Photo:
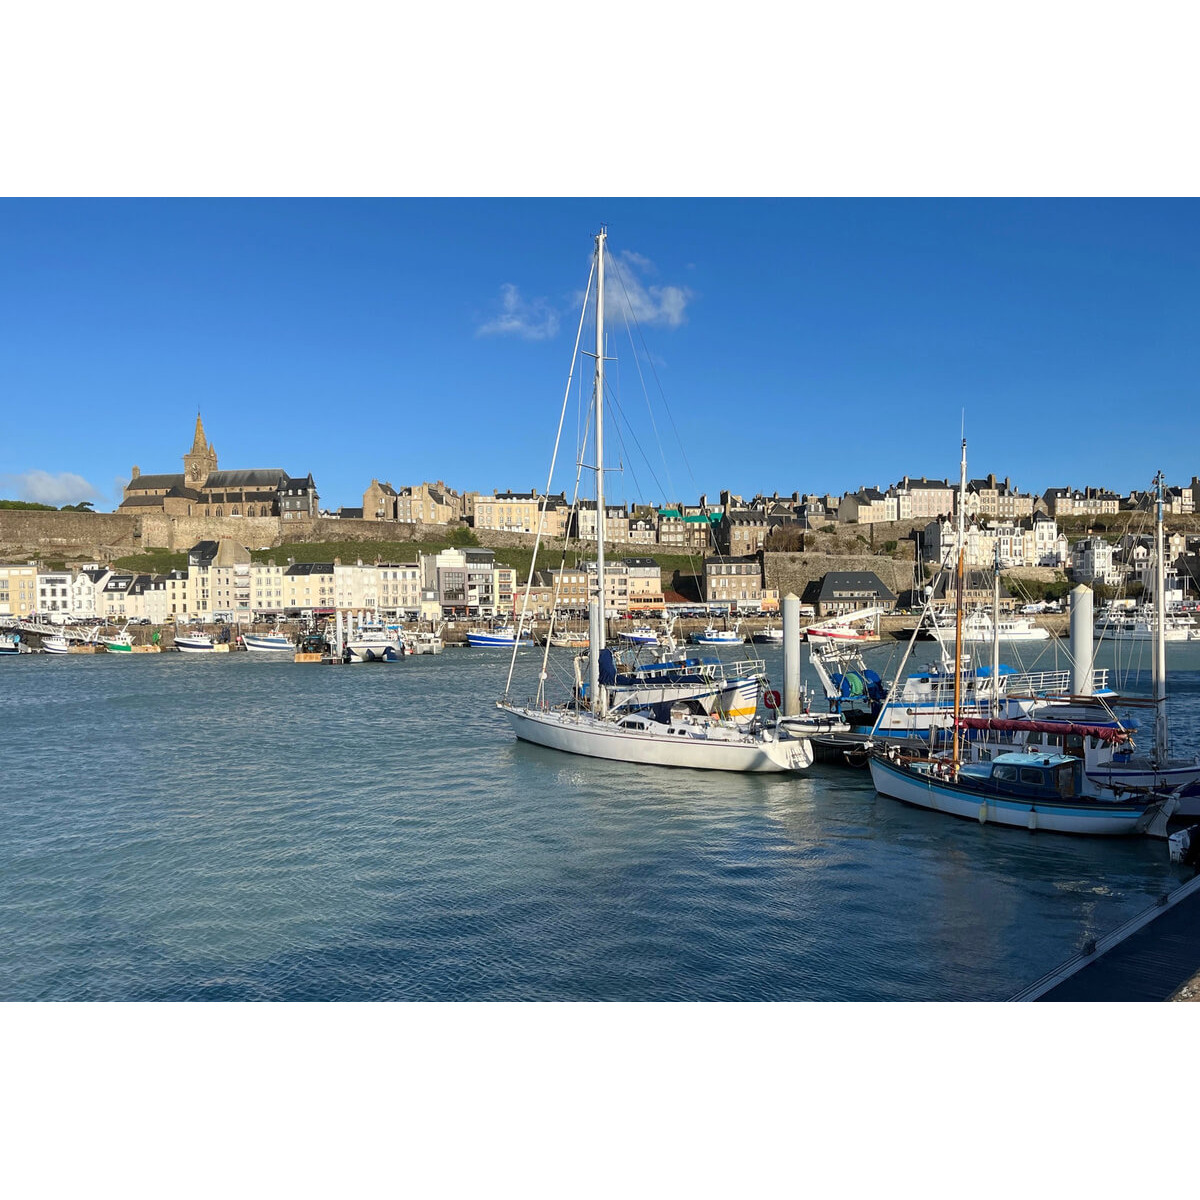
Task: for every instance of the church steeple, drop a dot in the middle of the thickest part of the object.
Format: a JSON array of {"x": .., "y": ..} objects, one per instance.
[{"x": 202, "y": 461}]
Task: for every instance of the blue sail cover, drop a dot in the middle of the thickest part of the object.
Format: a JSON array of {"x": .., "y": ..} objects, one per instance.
[{"x": 608, "y": 669}]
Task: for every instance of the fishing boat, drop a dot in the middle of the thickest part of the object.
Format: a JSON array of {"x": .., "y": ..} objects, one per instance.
[
  {"x": 117, "y": 643},
  {"x": 194, "y": 643},
  {"x": 1014, "y": 788},
  {"x": 861, "y": 626},
  {"x": 10, "y": 643},
  {"x": 639, "y": 635},
  {"x": 585, "y": 723},
  {"x": 502, "y": 637},
  {"x": 275, "y": 642},
  {"x": 770, "y": 636},
  {"x": 719, "y": 637},
  {"x": 56, "y": 645},
  {"x": 569, "y": 640},
  {"x": 424, "y": 641}
]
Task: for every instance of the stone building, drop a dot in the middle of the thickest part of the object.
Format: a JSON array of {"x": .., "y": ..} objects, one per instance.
[
  {"x": 736, "y": 581},
  {"x": 201, "y": 490},
  {"x": 842, "y": 592}
]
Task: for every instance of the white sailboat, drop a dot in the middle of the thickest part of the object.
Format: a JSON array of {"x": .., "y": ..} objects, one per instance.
[{"x": 585, "y": 723}]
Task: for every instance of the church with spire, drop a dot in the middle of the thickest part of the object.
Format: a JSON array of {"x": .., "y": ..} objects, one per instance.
[{"x": 201, "y": 490}]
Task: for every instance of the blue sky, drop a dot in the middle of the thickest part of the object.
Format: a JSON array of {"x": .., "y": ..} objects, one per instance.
[{"x": 812, "y": 345}]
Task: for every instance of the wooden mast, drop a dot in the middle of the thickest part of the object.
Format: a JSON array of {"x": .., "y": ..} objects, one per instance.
[{"x": 958, "y": 600}]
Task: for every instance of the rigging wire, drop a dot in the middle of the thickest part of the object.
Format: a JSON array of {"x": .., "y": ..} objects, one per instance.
[{"x": 549, "y": 484}]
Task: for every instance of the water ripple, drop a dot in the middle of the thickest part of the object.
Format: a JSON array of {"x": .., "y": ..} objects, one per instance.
[{"x": 178, "y": 828}]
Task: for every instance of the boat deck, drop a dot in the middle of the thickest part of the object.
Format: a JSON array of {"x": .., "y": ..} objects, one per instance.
[{"x": 1150, "y": 958}]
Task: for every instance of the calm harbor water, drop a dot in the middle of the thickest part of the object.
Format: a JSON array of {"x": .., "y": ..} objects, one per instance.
[{"x": 182, "y": 827}]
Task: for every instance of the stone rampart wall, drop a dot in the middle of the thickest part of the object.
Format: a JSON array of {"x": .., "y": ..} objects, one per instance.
[
  {"x": 182, "y": 533},
  {"x": 794, "y": 572},
  {"x": 68, "y": 537}
]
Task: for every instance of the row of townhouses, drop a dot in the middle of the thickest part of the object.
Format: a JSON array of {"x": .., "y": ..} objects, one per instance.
[
  {"x": 222, "y": 582},
  {"x": 735, "y": 526}
]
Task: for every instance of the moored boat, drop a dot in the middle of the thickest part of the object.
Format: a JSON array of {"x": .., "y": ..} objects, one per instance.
[
  {"x": 503, "y": 637},
  {"x": 424, "y": 641},
  {"x": 770, "y": 636},
  {"x": 10, "y": 643},
  {"x": 274, "y": 642},
  {"x": 117, "y": 643},
  {"x": 372, "y": 642},
  {"x": 1025, "y": 791},
  {"x": 978, "y": 627},
  {"x": 194, "y": 643},
  {"x": 712, "y": 636},
  {"x": 586, "y": 723}
]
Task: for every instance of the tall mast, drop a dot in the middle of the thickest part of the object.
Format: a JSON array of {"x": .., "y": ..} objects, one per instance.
[
  {"x": 1160, "y": 630},
  {"x": 601, "y": 239},
  {"x": 996, "y": 634},
  {"x": 958, "y": 598}
]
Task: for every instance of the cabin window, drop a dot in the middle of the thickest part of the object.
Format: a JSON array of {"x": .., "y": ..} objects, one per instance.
[
  {"x": 1004, "y": 772},
  {"x": 1032, "y": 775}
]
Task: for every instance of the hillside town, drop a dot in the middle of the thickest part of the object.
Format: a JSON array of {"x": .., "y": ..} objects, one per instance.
[{"x": 911, "y": 521}]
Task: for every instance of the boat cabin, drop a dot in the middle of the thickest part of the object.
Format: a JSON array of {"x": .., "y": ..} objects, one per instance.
[{"x": 1030, "y": 776}]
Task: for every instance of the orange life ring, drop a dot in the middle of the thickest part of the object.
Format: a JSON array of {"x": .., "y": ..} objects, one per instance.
[{"x": 771, "y": 699}]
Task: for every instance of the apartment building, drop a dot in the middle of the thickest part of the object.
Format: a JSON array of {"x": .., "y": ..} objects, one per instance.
[
  {"x": 18, "y": 589},
  {"x": 737, "y": 582}
]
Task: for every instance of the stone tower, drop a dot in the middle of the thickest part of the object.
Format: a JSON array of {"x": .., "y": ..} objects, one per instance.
[{"x": 202, "y": 461}]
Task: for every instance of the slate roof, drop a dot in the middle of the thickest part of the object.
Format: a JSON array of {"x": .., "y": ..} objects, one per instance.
[
  {"x": 310, "y": 569},
  {"x": 269, "y": 477},
  {"x": 145, "y": 483},
  {"x": 854, "y": 581},
  {"x": 141, "y": 502},
  {"x": 180, "y": 492}
]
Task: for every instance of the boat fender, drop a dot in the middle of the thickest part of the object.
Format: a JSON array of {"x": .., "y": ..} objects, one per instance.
[
  {"x": 983, "y": 813},
  {"x": 771, "y": 699},
  {"x": 1032, "y": 819}
]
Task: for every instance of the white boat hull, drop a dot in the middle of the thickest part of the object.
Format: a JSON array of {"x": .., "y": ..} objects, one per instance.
[
  {"x": 580, "y": 733},
  {"x": 420, "y": 646},
  {"x": 374, "y": 651},
  {"x": 489, "y": 641},
  {"x": 194, "y": 645},
  {"x": 924, "y": 791},
  {"x": 268, "y": 644}
]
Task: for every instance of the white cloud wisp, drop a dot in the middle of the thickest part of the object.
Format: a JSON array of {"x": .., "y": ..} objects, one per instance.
[
  {"x": 533, "y": 320},
  {"x": 40, "y": 487}
]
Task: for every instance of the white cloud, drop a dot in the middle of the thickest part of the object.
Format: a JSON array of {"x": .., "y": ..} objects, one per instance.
[
  {"x": 628, "y": 295},
  {"x": 40, "y": 487},
  {"x": 534, "y": 320}
]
